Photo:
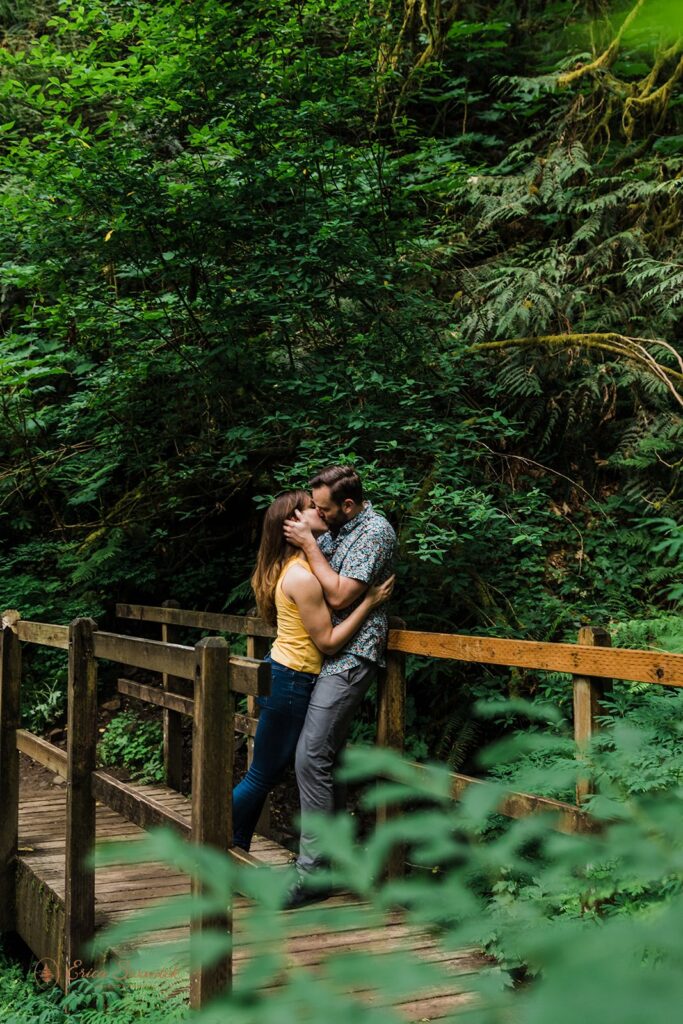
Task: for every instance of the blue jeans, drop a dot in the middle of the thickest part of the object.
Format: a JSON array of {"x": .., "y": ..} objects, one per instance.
[{"x": 281, "y": 717}]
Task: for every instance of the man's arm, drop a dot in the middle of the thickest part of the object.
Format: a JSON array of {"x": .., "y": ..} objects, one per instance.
[{"x": 340, "y": 591}]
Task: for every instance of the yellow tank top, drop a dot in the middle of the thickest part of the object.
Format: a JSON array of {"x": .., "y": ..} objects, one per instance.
[{"x": 293, "y": 646}]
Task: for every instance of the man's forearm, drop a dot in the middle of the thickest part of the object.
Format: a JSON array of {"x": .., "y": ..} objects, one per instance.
[{"x": 327, "y": 577}]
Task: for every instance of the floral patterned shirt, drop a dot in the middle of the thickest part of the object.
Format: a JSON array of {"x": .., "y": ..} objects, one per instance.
[{"x": 363, "y": 549}]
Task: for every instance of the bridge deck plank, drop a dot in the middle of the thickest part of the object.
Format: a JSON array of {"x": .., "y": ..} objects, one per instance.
[{"x": 123, "y": 889}]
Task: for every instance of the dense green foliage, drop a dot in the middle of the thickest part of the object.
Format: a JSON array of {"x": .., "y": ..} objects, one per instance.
[
  {"x": 135, "y": 744},
  {"x": 241, "y": 240}
]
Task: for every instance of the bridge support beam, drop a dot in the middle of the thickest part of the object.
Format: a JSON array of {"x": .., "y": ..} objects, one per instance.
[
  {"x": 213, "y": 742},
  {"x": 588, "y": 691},
  {"x": 79, "y": 882},
  {"x": 10, "y": 685},
  {"x": 173, "y": 733},
  {"x": 391, "y": 730}
]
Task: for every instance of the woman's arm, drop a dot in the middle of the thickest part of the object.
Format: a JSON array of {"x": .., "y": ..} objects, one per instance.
[{"x": 305, "y": 590}]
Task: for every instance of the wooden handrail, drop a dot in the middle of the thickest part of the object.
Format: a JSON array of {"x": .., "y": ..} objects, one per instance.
[
  {"x": 607, "y": 663},
  {"x": 214, "y": 676},
  {"x": 174, "y": 702},
  {"x": 247, "y": 675},
  {"x": 44, "y": 634},
  {"x": 42, "y": 751},
  {"x": 222, "y": 623},
  {"x": 601, "y": 662},
  {"x": 153, "y": 655}
]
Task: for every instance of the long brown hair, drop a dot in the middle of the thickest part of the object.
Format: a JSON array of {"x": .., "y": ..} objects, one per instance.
[{"x": 274, "y": 550}]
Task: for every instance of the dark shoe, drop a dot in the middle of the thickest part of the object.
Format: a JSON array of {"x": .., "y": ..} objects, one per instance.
[{"x": 300, "y": 895}]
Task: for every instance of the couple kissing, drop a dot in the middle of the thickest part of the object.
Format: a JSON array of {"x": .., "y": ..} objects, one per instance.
[{"x": 324, "y": 569}]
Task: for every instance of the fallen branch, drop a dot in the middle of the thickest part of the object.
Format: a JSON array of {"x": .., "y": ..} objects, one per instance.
[{"x": 633, "y": 349}]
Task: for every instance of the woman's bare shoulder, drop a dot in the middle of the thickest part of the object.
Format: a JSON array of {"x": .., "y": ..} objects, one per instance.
[{"x": 298, "y": 580}]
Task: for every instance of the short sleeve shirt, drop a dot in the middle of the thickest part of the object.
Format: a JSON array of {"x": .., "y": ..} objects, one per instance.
[{"x": 364, "y": 550}]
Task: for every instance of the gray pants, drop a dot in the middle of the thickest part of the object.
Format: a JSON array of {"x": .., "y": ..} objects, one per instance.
[{"x": 333, "y": 703}]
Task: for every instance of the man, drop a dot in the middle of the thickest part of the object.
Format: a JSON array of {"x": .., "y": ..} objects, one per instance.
[{"x": 357, "y": 551}]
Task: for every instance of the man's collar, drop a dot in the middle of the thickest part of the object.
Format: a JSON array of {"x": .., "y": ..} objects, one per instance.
[{"x": 356, "y": 521}]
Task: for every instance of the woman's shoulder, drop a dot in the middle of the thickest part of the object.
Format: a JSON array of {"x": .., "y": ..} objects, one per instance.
[
  {"x": 299, "y": 578},
  {"x": 298, "y": 570}
]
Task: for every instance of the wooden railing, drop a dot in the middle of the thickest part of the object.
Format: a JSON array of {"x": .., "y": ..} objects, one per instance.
[
  {"x": 194, "y": 684},
  {"x": 215, "y": 677},
  {"x": 592, "y": 662}
]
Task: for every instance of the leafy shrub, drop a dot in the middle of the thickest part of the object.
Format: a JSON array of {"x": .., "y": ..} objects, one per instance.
[
  {"x": 48, "y": 705},
  {"x": 87, "y": 1002},
  {"x": 135, "y": 744}
]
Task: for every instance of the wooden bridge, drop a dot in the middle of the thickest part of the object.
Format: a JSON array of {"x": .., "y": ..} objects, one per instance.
[{"x": 56, "y": 903}]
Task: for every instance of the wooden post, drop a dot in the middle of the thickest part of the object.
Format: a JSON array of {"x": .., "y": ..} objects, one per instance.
[
  {"x": 79, "y": 883},
  {"x": 257, "y": 647},
  {"x": 173, "y": 734},
  {"x": 391, "y": 730},
  {"x": 212, "y": 778},
  {"x": 587, "y": 693},
  {"x": 10, "y": 685}
]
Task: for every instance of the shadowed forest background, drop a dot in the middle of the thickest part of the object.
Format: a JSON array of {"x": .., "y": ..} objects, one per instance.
[{"x": 440, "y": 241}]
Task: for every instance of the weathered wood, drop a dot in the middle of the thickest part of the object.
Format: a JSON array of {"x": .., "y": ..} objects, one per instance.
[
  {"x": 44, "y": 633},
  {"x": 79, "y": 877},
  {"x": 183, "y": 705},
  {"x": 222, "y": 623},
  {"x": 125, "y": 889},
  {"x": 40, "y": 921},
  {"x": 247, "y": 675},
  {"x": 636, "y": 666},
  {"x": 587, "y": 693},
  {"x": 141, "y": 809},
  {"x": 172, "y": 720},
  {"x": 520, "y": 805},
  {"x": 153, "y": 655},
  {"x": 245, "y": 859},
  {"x": 42, "y": 751},
  {"x": 10, "y": 715},
  {"x": 248, "y": 726},
  {"x": 391, "y": 728},
  {"x": 391, "y": 700},
  {"x": 250, "y": 676},
  {"x": 257, "y": 647},
  {"x": 153, "y": 695},
  {"x": 212, "y": 778}
]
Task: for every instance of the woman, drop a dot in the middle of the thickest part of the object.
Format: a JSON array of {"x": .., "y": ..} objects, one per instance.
[{"x": 289, "y": 595}]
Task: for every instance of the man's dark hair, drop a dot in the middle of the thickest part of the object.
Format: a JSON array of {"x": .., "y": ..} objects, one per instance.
[{"x": 343, "y": 482}]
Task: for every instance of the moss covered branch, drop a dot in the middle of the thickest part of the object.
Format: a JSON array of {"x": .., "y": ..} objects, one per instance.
[{"x": 633, "y": 349}]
